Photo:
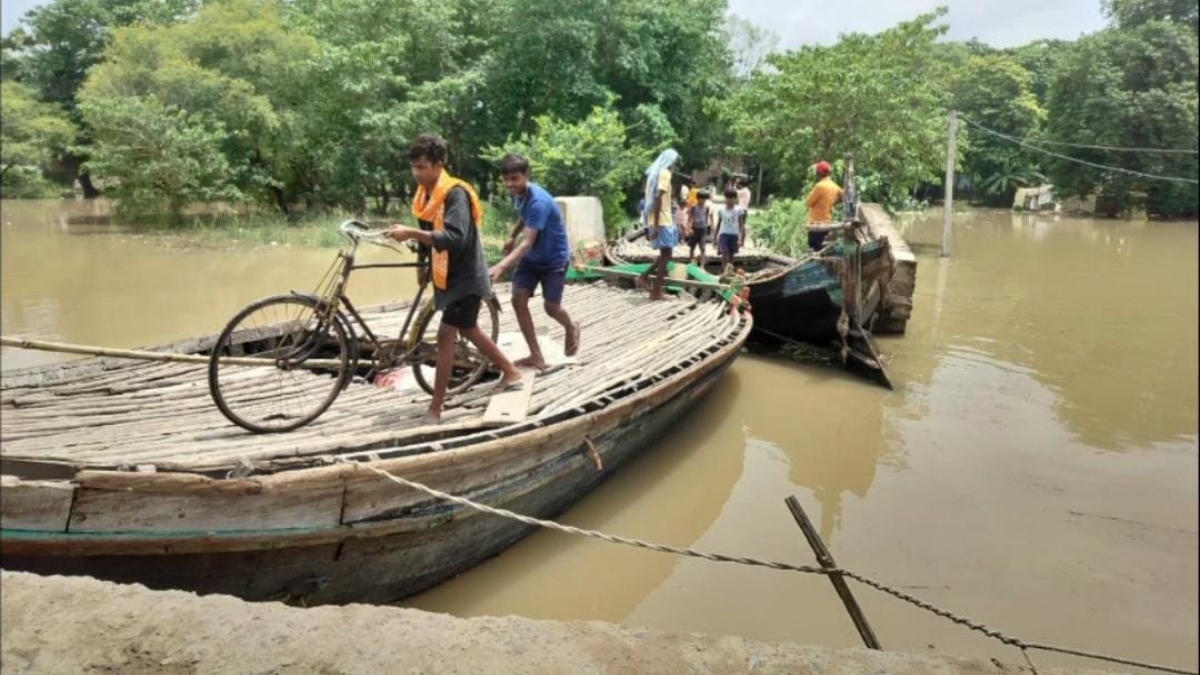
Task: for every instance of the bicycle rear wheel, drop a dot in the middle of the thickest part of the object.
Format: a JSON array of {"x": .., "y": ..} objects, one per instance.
[
  {"x": 302, "y": 362},
  {"x": 469, "y": 364}
]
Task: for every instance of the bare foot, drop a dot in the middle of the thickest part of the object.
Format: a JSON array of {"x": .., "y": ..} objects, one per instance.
[
  {"x": 657, "y": 296},
  {"x": 508, "y": 384},
  {"x": 432, "y": 418},
  {"x": 530, "y": 362},
  {"x": 571, "y": 348}
]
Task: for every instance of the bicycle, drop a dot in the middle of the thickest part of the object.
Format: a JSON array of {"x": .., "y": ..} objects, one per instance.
[{"x": 308, "y": 342}]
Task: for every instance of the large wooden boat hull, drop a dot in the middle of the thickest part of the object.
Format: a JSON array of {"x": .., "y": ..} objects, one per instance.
[
  {"x": 805, "y": 301},
  {"x": 792, "y": 299},
  {"x": 341, "y": 533}
]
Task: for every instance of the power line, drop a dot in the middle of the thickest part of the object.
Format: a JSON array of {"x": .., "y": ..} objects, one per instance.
[
  {"x": 1113, "y": 148},
  {"x": 1018, "y": 141}
]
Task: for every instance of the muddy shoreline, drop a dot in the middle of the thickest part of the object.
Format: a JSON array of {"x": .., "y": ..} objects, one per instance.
[{"x": 76, "y": 624}]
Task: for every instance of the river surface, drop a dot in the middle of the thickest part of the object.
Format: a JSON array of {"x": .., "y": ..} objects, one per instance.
[{"x": 1036, "y": 468}]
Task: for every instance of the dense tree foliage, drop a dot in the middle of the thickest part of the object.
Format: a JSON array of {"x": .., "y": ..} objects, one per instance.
[
  {"x": 32, "y": 135},
  {"x": 1132, "y": 86},
  {"x": 867, "y": 95},
  {"x": 995, "y": 90},
  {"x": 312, "y": 103},
  {"x": 591, "y": 157}
]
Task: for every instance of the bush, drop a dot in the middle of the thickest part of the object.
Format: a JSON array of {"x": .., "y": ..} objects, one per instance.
[{"x": 781, "y": 227}]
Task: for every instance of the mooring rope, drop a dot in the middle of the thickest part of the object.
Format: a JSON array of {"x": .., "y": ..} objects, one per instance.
[
  {"x": 1023, "y": 645},
  {"x": 146, "y": 355}
]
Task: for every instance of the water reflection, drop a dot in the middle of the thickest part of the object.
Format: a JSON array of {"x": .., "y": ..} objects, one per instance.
[
  {"x": 672, "y": 495},
  {"x": 1104, "y": 313}
]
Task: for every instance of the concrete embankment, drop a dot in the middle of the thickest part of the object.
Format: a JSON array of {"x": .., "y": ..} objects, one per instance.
[{"x": 76, "y": 625}]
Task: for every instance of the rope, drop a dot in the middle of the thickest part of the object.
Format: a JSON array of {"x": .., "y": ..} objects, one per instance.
[
  {"x": 754, "y": 562},
  {"x": 614, "y": 539},
  {"x": 1014, "y": 139},
  {"x": 143, "y": 355}
]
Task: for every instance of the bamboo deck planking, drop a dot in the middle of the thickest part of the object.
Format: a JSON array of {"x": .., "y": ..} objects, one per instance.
[{"x": 160, "y": 414}]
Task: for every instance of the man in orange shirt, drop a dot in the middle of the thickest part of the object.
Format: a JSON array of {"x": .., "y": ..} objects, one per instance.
[{"x": 824, "y": 195}]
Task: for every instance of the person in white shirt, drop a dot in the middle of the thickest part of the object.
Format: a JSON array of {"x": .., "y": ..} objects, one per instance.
[{"x": 731, "y": 230}]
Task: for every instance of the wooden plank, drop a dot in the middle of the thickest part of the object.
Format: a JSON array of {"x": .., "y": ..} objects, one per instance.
[
  {"x": 511, "y": 407},
  {"x": 167, "y": 502},
  {"x": 35, "y": 505}
]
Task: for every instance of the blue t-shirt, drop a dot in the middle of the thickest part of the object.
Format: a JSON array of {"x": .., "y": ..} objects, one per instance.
[{"x": 538, "y": 211}]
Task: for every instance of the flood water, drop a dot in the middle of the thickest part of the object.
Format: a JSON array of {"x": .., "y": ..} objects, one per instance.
[{"x": 1036, "y": 468}]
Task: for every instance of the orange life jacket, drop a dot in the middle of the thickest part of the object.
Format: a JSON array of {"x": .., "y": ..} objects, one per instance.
[{"x": 431, "y": 208}]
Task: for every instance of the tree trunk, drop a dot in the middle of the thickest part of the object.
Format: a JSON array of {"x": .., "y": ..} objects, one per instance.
[
  {"x": 89, "y": 190},
  {"x": 72, "y": 167},
  {"x": 280, "y": 199},
  {"x": 383, "y": 198},
  {"x": 758, "y": 198}
]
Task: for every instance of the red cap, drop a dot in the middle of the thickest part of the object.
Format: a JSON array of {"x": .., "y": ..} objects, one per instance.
[{"x": 823, "y": 167}]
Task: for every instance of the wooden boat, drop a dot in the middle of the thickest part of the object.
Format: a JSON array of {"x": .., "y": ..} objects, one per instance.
[
  {"x": 802, "y": 299},
  {"x": 126, "y": 471}
]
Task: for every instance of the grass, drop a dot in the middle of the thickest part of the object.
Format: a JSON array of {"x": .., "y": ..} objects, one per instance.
[
  {"x": 240, "y": 231},
  {"x": 782, "y": 227}
]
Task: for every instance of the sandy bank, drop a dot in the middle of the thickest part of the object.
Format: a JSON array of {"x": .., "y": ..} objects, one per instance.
[{"x": 60, "y": 624}]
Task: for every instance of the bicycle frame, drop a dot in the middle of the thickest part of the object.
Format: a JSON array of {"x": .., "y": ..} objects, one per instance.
[{"x": 333, "y": 291}]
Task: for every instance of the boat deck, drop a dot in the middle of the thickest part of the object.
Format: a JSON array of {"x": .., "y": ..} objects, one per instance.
[
  {"x": 640, "y": 251},
  {"x": 152, "y": 416}
]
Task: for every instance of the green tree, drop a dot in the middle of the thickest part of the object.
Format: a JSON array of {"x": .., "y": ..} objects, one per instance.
[
  {"x": 385, "y": 71},
  {"x": 235, "y": 65},
  {"x": 1040, "y": 58},
  {"x": 158, "y": 154},
  {"x": 995, "y": 91},
  {"x": 1130, "y": 85},
  {"x": 32, "y": 135},
  {"x": 878, "y": 97},
  {"x": 65, "y": 39},
  {"x": 1133, "y": 13},
  {"x": 551, "y": 57},
  {"x": 590, "y": 157}
]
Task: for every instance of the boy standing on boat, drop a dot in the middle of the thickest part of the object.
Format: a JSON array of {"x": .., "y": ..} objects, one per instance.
[
  {"x": 731, "y": 230},
  {"x": 821, "y": 199},
  {"x": 661, "y": 231},
  {"x": 541, "y": 258},
  {"x": 450, "y": 214},
  {"x": 699, "y": 233},
  {"x": 823, "y": 196}
]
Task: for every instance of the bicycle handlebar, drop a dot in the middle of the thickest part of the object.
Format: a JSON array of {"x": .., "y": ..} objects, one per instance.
[{"x": 356, "y": 231}]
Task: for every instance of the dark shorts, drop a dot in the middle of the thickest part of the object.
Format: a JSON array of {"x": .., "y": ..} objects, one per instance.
[
  {"x": 463, "y": 313},
  {"x": 727, "y": 243},
  {"x": 698, "y": 237},
  {"x": 552, "y": 278}
]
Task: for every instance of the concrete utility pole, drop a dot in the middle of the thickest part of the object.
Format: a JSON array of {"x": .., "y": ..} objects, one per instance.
[{"x": 949, "y": 200}]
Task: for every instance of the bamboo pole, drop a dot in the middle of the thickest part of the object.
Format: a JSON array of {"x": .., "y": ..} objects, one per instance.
[{"x": 825, "y": 560}]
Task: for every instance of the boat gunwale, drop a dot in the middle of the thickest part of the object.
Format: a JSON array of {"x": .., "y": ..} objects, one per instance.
[{"x": 342, "y": 475}]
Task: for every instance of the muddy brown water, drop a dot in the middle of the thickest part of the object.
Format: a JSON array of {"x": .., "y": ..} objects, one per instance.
[{"x": 1036, "y": 468}]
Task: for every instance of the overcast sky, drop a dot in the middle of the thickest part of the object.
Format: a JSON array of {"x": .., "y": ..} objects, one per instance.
[{"x": 1003, "y": 23}]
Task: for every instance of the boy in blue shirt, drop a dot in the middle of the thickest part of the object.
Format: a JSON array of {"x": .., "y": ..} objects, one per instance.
[{"x": 541, "y": 258}]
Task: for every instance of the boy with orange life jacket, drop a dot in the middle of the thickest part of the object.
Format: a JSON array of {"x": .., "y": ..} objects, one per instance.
[{"x": 450, "y": 215}]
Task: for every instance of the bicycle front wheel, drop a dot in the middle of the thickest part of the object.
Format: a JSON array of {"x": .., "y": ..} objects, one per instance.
[
  {"x": 279, "y": 364},
  {"x": 469, "y": 364}
]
